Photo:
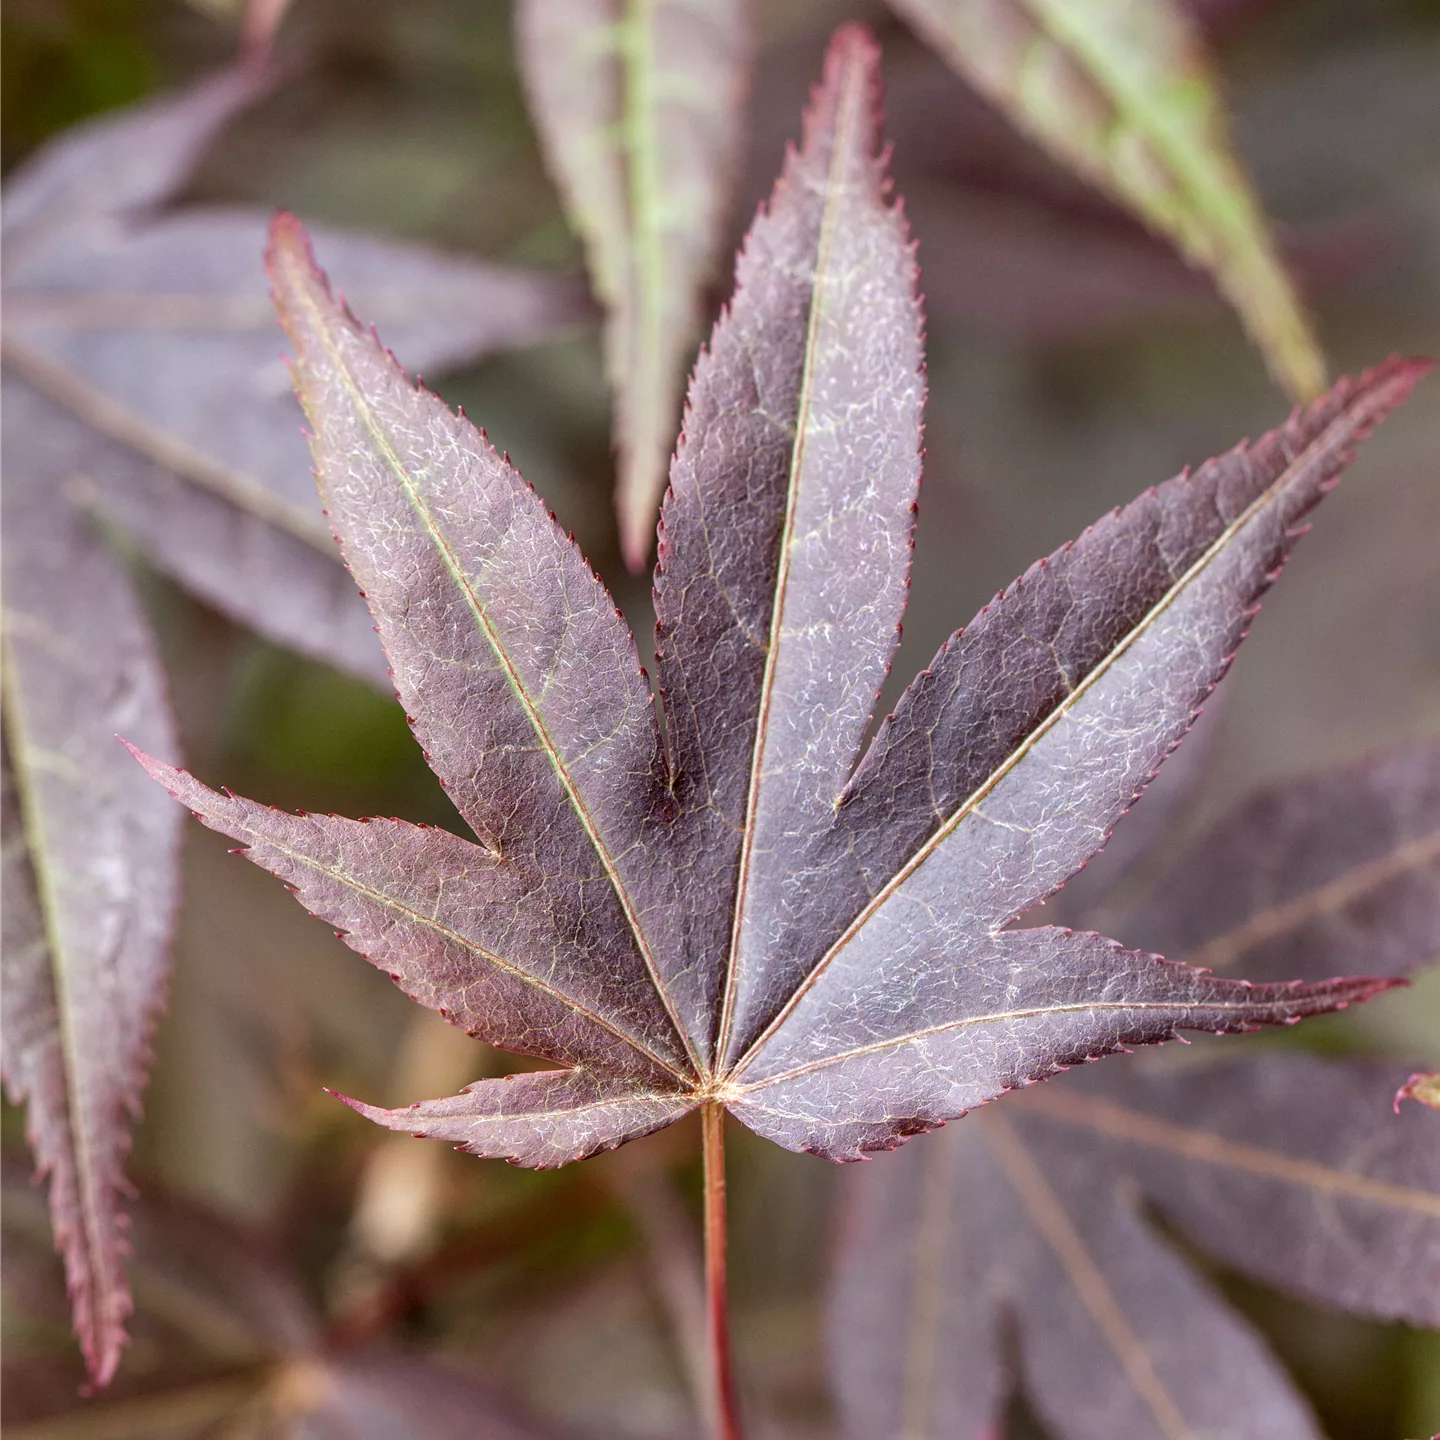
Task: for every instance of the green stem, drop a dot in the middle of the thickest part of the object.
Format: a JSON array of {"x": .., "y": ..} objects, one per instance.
[{"x": 725, "y": 1412}]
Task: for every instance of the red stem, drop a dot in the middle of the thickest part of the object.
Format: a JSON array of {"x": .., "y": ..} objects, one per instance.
[{"x": 725, "y": 1412}]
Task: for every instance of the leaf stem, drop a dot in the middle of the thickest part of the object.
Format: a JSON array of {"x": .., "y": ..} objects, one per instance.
[{"x": 725, "y": 1411}]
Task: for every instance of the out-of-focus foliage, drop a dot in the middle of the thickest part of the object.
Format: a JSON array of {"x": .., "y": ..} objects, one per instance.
[
  {"x": 149, "y": 330},
  {"x": 640, "y": 108},
  {"x": 67, "y": 61},
  {"x": 1058, "y": 389},
  {"x": 239, "y": 1343},
  {"x": 140, "y": 389},
  {"x": 1123, "y": 93},
  {"x": 1284, "y": 1167},
  {"x": 91, "y": 873}
]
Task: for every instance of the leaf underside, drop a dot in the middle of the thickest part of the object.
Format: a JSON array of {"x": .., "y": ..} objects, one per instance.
[
  {"x": 640, "y": 109},
  {"x": 741, "y": 912},
  {"x": 1123, "y": 94}
]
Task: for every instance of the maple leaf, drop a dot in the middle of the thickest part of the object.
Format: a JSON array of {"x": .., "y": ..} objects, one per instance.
[
  {"x": 640, "y": 109},
  {"x": 1295, "y": 878},
  {"x": 141, "y": 382},
  {"x": 148, "y": 326},
  {"x": 1123, "y": 95},
  {"x": 1017, "y": 245},
  {"x": 1288, "y": 1168},
  {"x": 739, "y": 914}
]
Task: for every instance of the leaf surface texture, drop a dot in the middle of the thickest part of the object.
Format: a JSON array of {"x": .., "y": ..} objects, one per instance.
[{"x": 756, "y": 909}]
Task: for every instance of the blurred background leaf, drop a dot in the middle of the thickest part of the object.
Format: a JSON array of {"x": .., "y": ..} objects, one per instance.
[
  {"x": 1124, "y": 95},
  {"x": 641, "y": 110}
]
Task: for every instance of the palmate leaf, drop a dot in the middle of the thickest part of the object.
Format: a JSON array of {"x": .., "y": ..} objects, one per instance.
[
  {"x": 1123, "y": 94},
  {"x": 640, "y": 107},
  {"x": 1288, "y": 1168},
  {"x": 151, "y": 328},
  {"x": 90, "y": 861},
  {"x": 733, "y": 916},
  {"x": 1296, "y": 879},
  {"x": 1291, "y": 1168}
]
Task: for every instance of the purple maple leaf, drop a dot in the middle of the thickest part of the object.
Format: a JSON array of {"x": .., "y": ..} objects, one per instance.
[{"x": 753, "y": 909}]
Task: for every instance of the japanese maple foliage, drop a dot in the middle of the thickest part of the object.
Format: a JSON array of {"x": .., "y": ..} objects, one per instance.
[
  {"x": 275, "y": 1370},
  {"x": 141, "y": 384},
  {"x": 641, "y": 113},
  {"x": 1034, "y": 1223},
  {"x": 145, "y": 327},
  {"x": 738, "y": 912}
]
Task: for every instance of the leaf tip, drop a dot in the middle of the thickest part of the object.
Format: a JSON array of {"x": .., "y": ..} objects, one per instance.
[
  {"x": 158, "y": 770},
  {"x": 852, "y": 44},
  {"x": 359, "y": 1106},
  {"x": 287, "y": 239},
  {"x": 1423, "y": 1086},
  {"x": 293, "y": 270},
  {"x": 100, "y": 1299}
]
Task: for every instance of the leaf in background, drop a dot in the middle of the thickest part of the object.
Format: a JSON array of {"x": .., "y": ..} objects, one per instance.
[
  {"x": 1351, "y": 1209},
  {"x": 1289, "y": 1168},
  {"x": 1304, "y": 871},
  {"x": 1024, "y": 269},
  {"x": 216, "y": 1303},
  {"x": 90, "y": 860},
  {"x": 1122, "y": 92},
  {"x": 144, "y": 383},
  {"x": 154, "y": 330},
  {"x": 1017, "y": 246},
  {"x": 740, "y": 918},
  {"x": 1423, "y": 1086},
  {"x": 640, "y": 109},
  {"x": 121, "y": 164}
]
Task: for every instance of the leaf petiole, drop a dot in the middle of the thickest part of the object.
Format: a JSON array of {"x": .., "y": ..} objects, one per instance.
[{"x": 724, "y": 1408}]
